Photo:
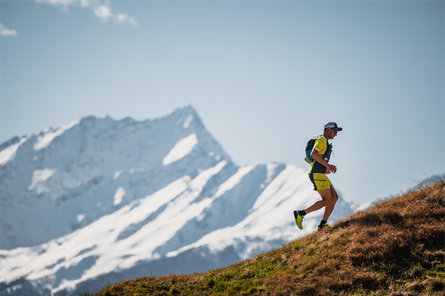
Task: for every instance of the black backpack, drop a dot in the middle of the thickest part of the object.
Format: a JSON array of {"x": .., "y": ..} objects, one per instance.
[{"x": 309, "y": 147}]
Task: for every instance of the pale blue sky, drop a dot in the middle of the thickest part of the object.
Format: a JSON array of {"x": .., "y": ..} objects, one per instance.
[{"x": 263, "y": 75}]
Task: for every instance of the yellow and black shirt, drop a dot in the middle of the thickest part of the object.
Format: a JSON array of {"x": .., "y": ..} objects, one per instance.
[{"x": 324, "y": 149}]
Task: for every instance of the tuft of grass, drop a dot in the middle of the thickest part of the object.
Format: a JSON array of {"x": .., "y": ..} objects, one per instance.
[{"x": 393, "y": 248}]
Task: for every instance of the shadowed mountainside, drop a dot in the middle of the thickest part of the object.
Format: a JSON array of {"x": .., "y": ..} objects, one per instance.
[{"x": 394, "y": 248}]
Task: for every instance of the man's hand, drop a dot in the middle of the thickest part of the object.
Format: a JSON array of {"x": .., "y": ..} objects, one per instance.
[{"x": 331, "y": 168}]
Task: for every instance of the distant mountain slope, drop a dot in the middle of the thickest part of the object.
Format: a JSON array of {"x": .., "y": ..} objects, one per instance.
[
  {"x": 101, "y": 200},
  {"x": 394, "y": 248},
  {"x": 61, "y": 179}
]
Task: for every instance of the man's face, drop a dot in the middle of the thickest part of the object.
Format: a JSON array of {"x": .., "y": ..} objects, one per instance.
[{"x": 332, "y": 132}]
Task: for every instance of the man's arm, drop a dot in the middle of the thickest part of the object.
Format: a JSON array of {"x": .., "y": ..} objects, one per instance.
[{"x": 317, "y": 157}]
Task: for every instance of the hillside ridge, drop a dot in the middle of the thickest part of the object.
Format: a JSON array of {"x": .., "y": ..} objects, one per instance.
[{"x": 395, "y": 247}]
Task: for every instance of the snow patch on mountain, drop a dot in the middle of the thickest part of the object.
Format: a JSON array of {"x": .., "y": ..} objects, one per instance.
[
  {"x": 188, "y": 121},
  {"x": 80, "y": 218},
  {"x": 8, "y": 153},
  {"x": 49, "y": 135},
  {"x": 38, "y": 180},
  {"x": 181, "y": 149},
  {"x": 120, "y": 193},
  {"x": 233, "y": 180}
]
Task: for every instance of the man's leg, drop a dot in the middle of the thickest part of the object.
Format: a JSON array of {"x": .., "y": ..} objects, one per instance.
[
  {"x": 326, "y": 200},
  {"x": 324, "y": 188},
  {"x": 334, "y": 194},
  {"x": 330, "y": 207}
]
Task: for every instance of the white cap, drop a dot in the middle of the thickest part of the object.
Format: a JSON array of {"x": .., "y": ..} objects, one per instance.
[{"x": 332, "y": 125}]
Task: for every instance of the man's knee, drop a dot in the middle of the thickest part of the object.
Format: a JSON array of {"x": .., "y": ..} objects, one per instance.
[
  {"x": 334, "y": 195},
  {"x": 329, "y": 201}
]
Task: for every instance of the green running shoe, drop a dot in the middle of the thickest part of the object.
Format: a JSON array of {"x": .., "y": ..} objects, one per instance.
[
  {"x": 298, "y": 219},
  {"x": 324, "y": 226}
]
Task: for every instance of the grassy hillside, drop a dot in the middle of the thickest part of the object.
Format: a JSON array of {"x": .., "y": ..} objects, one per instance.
[{"x": 394, "y": 248}]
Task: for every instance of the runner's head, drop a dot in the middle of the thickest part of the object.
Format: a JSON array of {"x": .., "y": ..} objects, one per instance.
[{"x": 331, "y": 129}]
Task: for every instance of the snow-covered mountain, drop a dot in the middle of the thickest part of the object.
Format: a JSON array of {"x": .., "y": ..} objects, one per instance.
[{"x": 102, "y": 200}]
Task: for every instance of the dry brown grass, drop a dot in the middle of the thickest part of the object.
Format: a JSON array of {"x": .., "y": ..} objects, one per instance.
[{"x": 393, "y": 248}]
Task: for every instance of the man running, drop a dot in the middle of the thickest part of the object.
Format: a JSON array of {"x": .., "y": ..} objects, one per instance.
[{"x": 321, "y": 153}]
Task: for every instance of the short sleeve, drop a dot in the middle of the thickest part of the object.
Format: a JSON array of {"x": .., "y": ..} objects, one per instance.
[{"x": 320, "y": 145}]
